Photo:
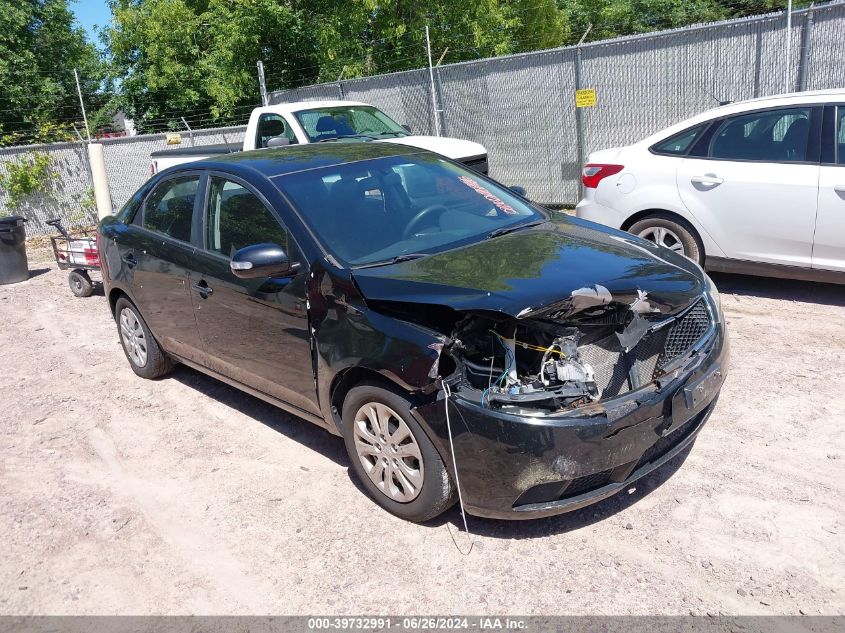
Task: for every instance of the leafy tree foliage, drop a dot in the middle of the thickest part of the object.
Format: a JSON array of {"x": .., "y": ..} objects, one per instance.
[
  {"x": 196, "y": 58},
  {"x": 175, "y": 57},
  {"x": 362, "y": 37},
  {"x": 40, "y": 45},
  {"x": 612, "y": 18}
]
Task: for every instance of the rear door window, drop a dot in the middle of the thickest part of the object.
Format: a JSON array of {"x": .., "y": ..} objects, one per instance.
[
  {"x": 773, "y": 136},
  {"x": 840, "y": 135},
  {"x": 170, "y": 208}
]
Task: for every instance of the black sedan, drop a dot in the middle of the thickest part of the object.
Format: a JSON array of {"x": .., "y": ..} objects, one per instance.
[{"x": 374, "y": 288}]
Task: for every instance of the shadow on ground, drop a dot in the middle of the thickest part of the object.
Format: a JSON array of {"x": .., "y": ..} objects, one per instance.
[
  {"x": 291, "y": 426},
  {"x": 37, "y": 272},
  {"x": 317, "y": 439},
  {"x": 783, "y": 289}
]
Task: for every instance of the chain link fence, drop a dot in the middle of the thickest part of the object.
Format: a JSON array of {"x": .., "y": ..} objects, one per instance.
[
  {"x": 68, "y": 191},
  {"x": 520, "y": 107}
]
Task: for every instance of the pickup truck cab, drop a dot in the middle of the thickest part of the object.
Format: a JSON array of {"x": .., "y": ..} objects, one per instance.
[{"x": 324, "y": 121}]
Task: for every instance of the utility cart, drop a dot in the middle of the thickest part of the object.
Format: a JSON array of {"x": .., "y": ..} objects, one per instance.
[{"x": 77, "y": 253}]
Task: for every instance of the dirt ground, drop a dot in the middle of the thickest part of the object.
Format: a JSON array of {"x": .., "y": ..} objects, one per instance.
[{"x": 124, "y": 496}]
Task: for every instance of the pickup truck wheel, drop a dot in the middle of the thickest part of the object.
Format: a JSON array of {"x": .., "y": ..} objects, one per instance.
[
  {"x": 392, "y": 456},
  {"x": 670, "y": 232},
  {"x": 142, "y": 350}
]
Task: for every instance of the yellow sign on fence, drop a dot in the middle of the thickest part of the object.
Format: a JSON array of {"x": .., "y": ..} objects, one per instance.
[
  {"x": 585, "y": 98},
  {"x": 173, "y": 138}
]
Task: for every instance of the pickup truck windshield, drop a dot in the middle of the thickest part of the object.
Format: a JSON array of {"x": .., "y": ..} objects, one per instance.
[
  {"x": 378, "y": 211},
  {"x": 323, "y": 124}
]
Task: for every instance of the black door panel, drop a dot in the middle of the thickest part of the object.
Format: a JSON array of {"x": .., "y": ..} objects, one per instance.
[
  {"x": 254, "y": 331},
  {"x": 156, "y": 255},
  {"x": 160, "y": 286}
]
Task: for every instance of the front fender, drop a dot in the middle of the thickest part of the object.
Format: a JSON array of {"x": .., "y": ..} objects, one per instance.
[{"x": 405, "y": 354}]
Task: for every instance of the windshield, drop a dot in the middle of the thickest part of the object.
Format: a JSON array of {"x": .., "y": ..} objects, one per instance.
[
  {"x": 324, "y": 124},
  {"x": 373, "y": 211}
]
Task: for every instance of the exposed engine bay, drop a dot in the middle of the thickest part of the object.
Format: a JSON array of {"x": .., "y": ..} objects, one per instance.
[
  {"x": 526, "y": 366},
  {"x": 543, "y": 363}
]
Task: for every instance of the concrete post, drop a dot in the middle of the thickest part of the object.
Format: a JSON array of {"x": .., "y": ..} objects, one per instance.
[{"x": 102, "y": 194}]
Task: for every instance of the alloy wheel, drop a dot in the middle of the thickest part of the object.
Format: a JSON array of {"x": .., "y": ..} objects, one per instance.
[
  {"x": 663, "y": 237},
  {"x": 388, "y": 451},
  {"x": 132, "y": 335}
]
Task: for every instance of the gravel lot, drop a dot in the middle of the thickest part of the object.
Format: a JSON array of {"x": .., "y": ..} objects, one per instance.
[{"x": 123, "y": 496}]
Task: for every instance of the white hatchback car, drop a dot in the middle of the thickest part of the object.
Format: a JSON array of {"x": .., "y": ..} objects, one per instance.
[{"x": 756, "y": 187}]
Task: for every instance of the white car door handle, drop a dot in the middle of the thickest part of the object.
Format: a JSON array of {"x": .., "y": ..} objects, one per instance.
[
  {"x": 839, "y": 188},
  {"x": 710, "y": 181}
]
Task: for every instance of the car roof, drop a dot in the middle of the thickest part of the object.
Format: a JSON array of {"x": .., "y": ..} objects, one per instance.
[
  {"x": 279, "y": 161},
  {"x": 299, "y": 106},
  {"x": 831, "y": 95}
]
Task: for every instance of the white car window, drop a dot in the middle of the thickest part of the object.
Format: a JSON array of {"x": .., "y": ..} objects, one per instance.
[
  {"x": 778, "y": 135},
  {"x": 679, "y": 143}
]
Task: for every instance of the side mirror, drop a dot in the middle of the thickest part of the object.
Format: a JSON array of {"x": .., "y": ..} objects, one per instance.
[
  {"x": 278, "y": 141},
  {"x": 407, "y": 128},
  {"x": 260, "y": 260},
  {"x": 520, "y": 191}
]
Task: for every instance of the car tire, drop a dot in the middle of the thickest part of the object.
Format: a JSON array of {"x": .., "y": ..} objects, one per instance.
[
  {"x": 80, "y": 283},
  {"x": 143, "y": 352},
  {"x": 416, "y": 498},
  {"x": 674, "y": 230}
]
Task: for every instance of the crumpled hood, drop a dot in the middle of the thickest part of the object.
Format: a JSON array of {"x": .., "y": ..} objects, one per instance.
[
  {"x": 454, "y": 148},
  {"x": 559, "y": 268}
]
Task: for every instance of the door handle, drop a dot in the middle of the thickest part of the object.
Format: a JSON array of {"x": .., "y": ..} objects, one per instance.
[
  {"x": 129, "y": 260},
  {"x": 710, "y": 181},
  {"x": 839, "y": 188},
  {"x": 203, "y": 288}
]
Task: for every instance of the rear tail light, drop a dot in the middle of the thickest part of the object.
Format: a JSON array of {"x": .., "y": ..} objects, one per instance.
[
  {"x": 593, "y": 173},
  {"x": 92, "y": 258}
]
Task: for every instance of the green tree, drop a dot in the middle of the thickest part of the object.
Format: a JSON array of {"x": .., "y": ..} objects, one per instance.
[
  {"x": 183, "y": 57},
  {"x": 40, "y": 45},
  {"x": 613, "y": 18},
  {"x": 363, "y": 37}
]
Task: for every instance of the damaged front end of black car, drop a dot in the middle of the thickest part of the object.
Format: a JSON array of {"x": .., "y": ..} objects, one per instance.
[{"x": 577, "y": 361}]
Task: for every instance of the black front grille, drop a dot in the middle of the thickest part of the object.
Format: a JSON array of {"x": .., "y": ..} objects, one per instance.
[
  {"x": 587, "y": 484},
  {"x": 608, "y": 362},
  {"x": 614, "y": 368},
  {"x": 685, "y": 332},
  {"x": 668, "y": 442}
]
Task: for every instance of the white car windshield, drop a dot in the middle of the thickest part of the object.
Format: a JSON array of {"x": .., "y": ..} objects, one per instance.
[
  {"x": 326, "y": 124},
  {"x": 383, "y": 210}
]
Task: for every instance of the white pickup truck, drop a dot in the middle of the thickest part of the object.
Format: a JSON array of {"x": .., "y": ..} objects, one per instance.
[{"x": 324, "y": 121}]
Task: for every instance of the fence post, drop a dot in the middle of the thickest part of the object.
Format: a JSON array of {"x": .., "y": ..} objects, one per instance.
[
  {"x": 579, "y": 120},
  {"x": 102, "y": 195},
  {"x": 438, "y": 88},
  {"x": 804, "y": 51},
  {"x": 758, "y": 60},
  {"x": 262, "y": 85}
]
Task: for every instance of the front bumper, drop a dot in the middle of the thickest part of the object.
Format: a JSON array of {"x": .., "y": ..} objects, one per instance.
[{"x": 515, "y": 466}]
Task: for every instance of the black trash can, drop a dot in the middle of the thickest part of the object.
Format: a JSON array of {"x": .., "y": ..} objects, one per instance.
[{"x": 13, "y": 264}]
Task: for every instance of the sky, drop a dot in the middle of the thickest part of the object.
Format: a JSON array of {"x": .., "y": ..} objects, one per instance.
[{"x": 90, "y": 13}]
